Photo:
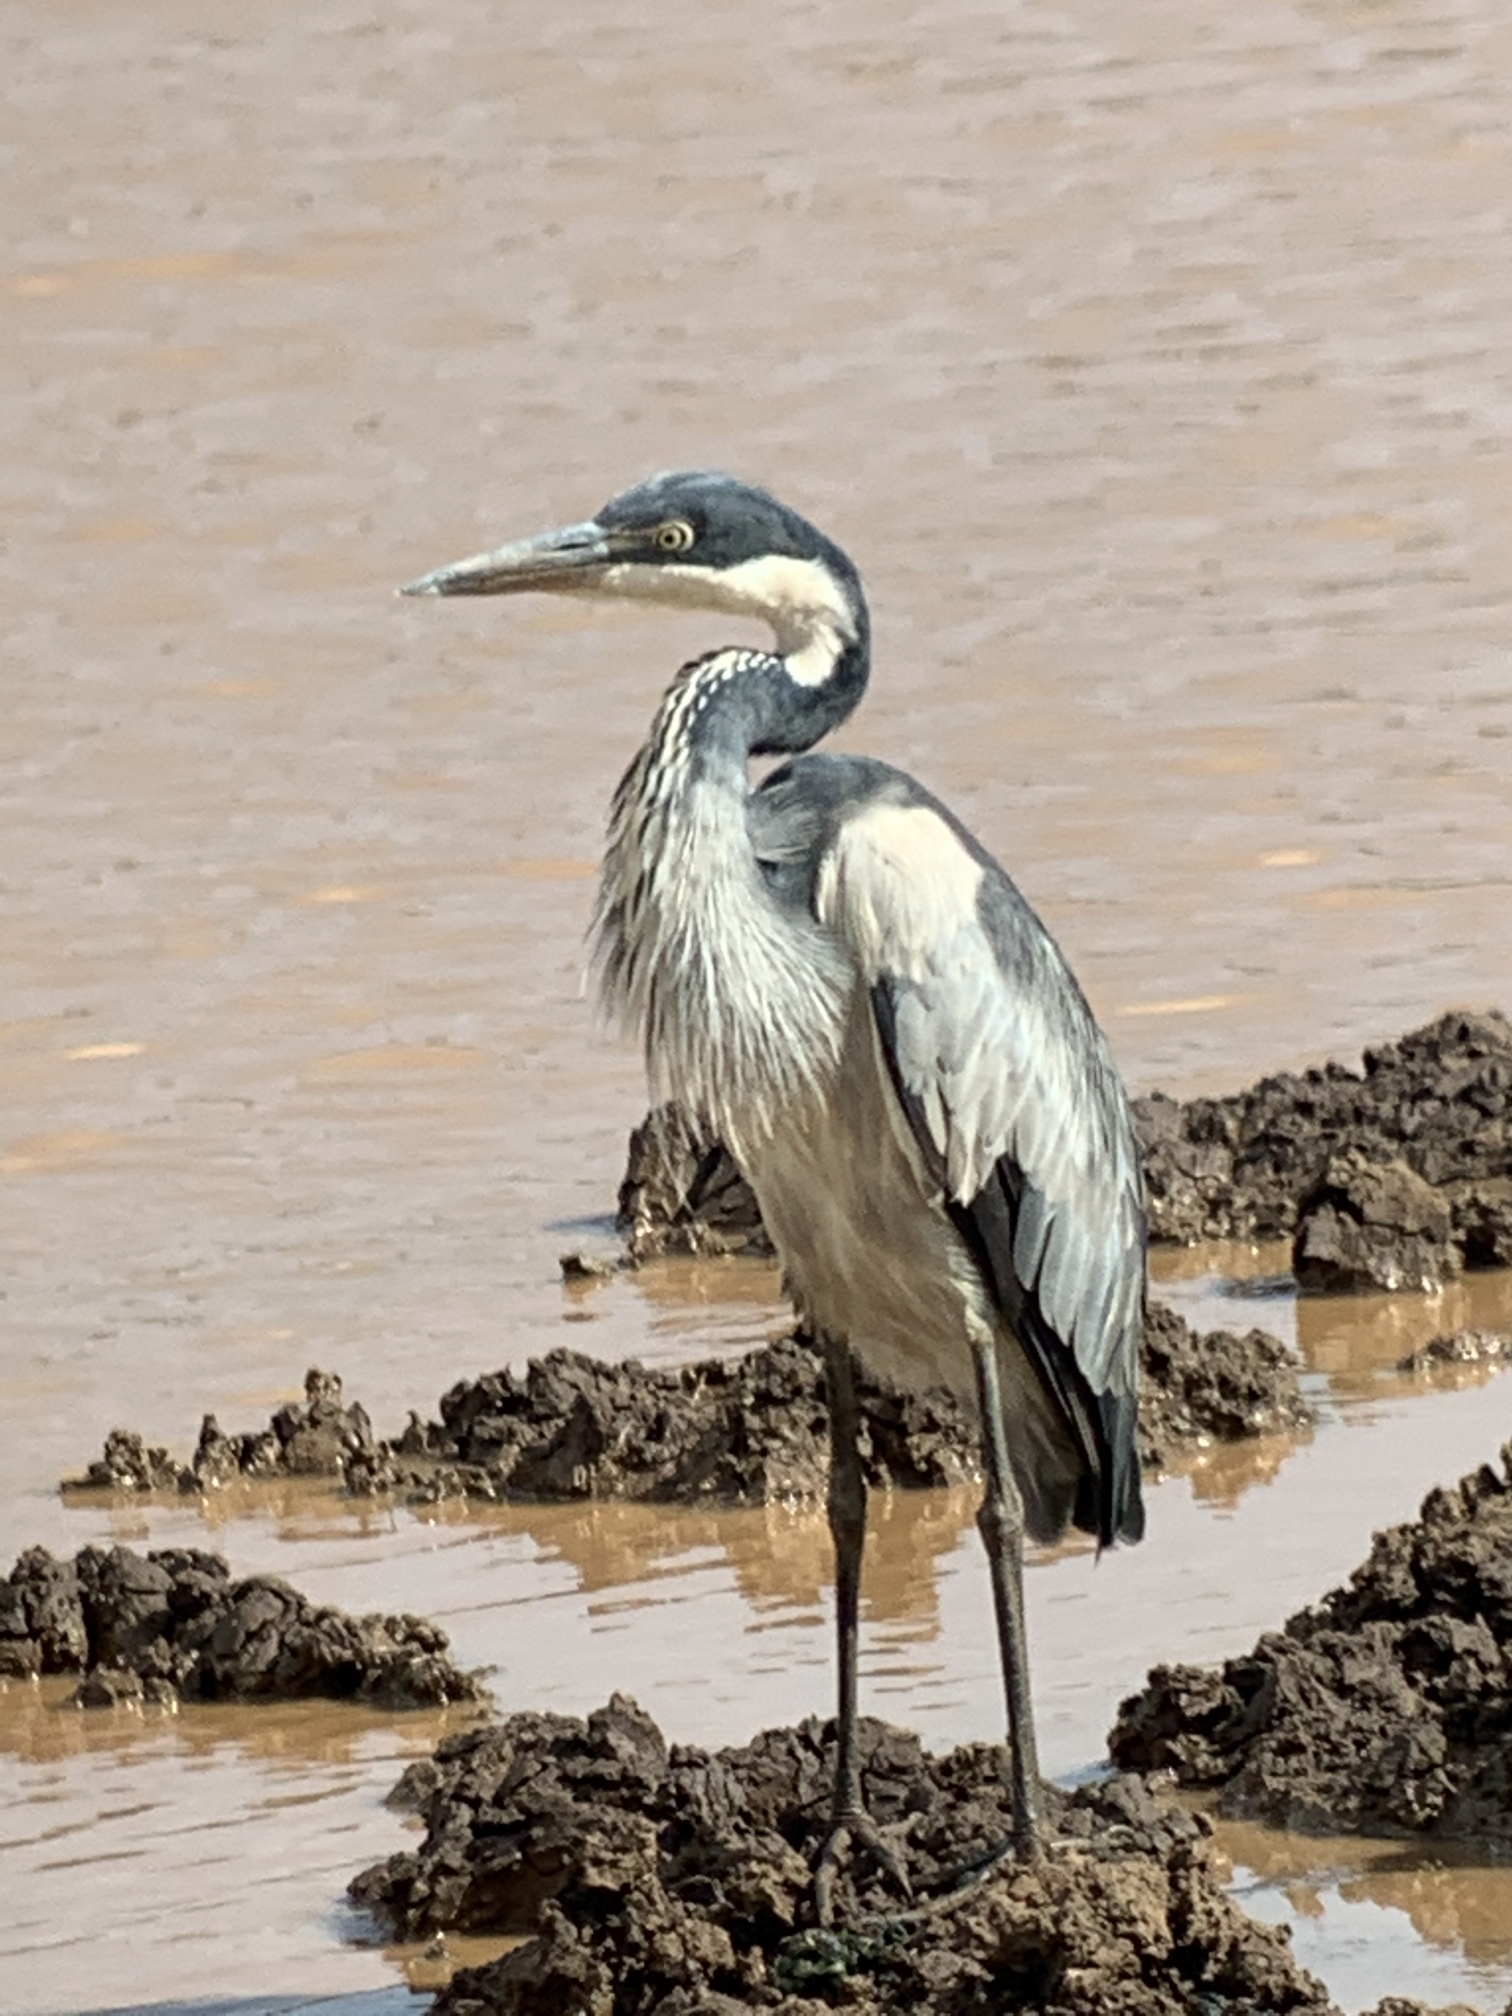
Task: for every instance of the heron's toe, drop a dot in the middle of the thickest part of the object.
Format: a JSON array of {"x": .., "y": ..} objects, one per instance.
[{"x": 853, "y": 1835}]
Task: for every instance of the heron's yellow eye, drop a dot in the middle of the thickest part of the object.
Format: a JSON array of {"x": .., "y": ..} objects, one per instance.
[{"x": 674, "y": 537}]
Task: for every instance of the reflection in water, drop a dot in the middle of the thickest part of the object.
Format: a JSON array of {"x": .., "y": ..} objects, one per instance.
[
  {"x": 430, "y": 1966},
  {"x": 1349, "y": 1341},
  {"x": 1355, "y": 1900},
  {"x": 1353, "y": 1337},
  {"x": 1220, "y": 1475},
  {"x": 775, "y": 1555},
  {"x": 38, "y": 1727}
]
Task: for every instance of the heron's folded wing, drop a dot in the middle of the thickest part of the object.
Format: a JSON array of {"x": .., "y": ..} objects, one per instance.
[{"x": 1014, "y": 1100}]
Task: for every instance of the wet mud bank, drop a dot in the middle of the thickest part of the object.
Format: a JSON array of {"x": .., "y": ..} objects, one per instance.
[
  {"x": 1386, "y": 1708},
  {"x": 1398, "y": 1175},
  {"x": 750, "y": 1431},
  {"x": 657, "y": 1878},
  {"x": 174, "y": 1626}
]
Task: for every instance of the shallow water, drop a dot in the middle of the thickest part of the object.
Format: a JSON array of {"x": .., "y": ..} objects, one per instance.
[{"x": 1151, "y": 364}]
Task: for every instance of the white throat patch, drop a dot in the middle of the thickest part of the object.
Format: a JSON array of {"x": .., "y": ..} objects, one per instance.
[{"x": 800, "y": 599}]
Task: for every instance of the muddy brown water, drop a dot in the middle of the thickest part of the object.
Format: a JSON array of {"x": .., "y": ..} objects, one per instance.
[{"x": 1151, "y": 363}]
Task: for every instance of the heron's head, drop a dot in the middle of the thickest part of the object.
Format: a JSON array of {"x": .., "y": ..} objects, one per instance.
[{"x": 693, "y": 540}]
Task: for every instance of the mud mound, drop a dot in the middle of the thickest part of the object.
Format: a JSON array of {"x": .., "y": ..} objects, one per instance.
[
  {"x": 1211, "y": 1386},
  {"x": 671, "y": 1880},
  {"x": 1461, "y": 1347},
  {"x": 1384, "y": 1709},
  {"x": 315, "y": 1440},
  {"x": 1438, "y": 1104},
  {"x": 664, "y": 1881},
  {"x": 748, "y": 1431},
  {"x": 172, "y": 1625},
  {"x": 683, "y": 1194},
  {"x": 1292, "y": 1155}
]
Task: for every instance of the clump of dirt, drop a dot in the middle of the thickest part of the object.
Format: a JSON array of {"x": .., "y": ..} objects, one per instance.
[
  {"x": 683, "y": 1194},
  {"x": 172, "y": 1625},
  {"x": 1373, "y": 1225},
  {"x": 749, "y": 1431},
  {"x": 1212, "y": 1386},
  {"x": 1399, "y": 1175},
  {"x": 1438, "y": 1102},
  {"x": 318, "y": 1439},
  {"x": 666, "y": 1881},
  {"x": 1384, "y": 1709},
  {"x": 1460, "y": 1347}
]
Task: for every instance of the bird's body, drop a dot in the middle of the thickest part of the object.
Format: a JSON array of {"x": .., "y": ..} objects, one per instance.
[
  {"x": 871, "y": 897},
  {"x": 839, "y": 981}
]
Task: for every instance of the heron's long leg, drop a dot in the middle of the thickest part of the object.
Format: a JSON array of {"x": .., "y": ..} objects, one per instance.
[
  {"x": 1001, "y": 1524},
  {"x": 847, "y": 1521},
  {"x": 851, "y": 1826}
]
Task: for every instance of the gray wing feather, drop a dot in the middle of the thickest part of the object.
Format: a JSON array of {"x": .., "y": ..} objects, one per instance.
[
  {"x": 1005, "y": 1064},
  {"x": 1003, "y": 1075},
  {"x": 1015, "y": 1103}
]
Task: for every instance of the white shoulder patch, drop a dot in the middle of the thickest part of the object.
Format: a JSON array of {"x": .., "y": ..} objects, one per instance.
[{"x": 897, "y": 886}]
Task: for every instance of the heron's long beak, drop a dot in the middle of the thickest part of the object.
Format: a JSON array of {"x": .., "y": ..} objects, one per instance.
[{"x": 555, "y": 561}]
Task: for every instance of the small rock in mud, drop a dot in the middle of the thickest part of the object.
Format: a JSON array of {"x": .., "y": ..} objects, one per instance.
[
  {"x": 1438, "y": 1102},
  {"x": 172, "y": 1624},
  {"x": 1460, "y": 1347},
  {"x": 1384, "y": 1709},
  {"x": 747, "y": 1431},
  {"x": 655, "y": 1878}
]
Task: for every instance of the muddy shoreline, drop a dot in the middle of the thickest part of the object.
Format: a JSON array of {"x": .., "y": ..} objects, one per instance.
[
  {"x": 646, "y": 1877},
  {"x": 174, "y": 1625}
]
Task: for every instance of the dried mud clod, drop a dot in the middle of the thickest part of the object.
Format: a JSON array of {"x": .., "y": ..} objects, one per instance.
[
  {"x": 670, "y": 1880},
  {"x": 655, "y": 1880},
  {"x": 1433, "y": 1111},
  {"x": 1373, "y": 1225},
  {"x": 748, "y": 1431},
  {"x": 172, "y": 1625},
  {"x": 1384, "y": 1709}
]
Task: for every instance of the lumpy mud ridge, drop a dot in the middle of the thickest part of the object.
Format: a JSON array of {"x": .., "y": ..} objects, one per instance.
[
  {"x": 1386, "y": 1708},
  {"x": 174, "y": 1625},
  {"x": 1395, "y": 1176},
  {"x": 752, "y": 1431}
]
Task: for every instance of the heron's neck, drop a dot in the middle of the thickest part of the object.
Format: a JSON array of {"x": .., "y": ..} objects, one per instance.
[{"x": 692, "y": 950}]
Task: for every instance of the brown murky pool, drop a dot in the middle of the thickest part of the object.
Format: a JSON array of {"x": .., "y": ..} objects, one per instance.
[{"x": 1152, "y": 365}]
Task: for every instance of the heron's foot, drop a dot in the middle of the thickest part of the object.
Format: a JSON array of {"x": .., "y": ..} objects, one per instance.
[
  {"x": 855, "y": 1833},
  {"x": 1018, "y": 1851}
]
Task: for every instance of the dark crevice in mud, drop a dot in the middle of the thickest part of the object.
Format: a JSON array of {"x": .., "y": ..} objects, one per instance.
[
  {"x": 1396, "y": 1176},
  {"x": 748, "y": 1431},
  {"x": 1386, "y": 1708},
  {"x": 669, "y": 1881},
  {"x": 172, "y": 1625}
]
